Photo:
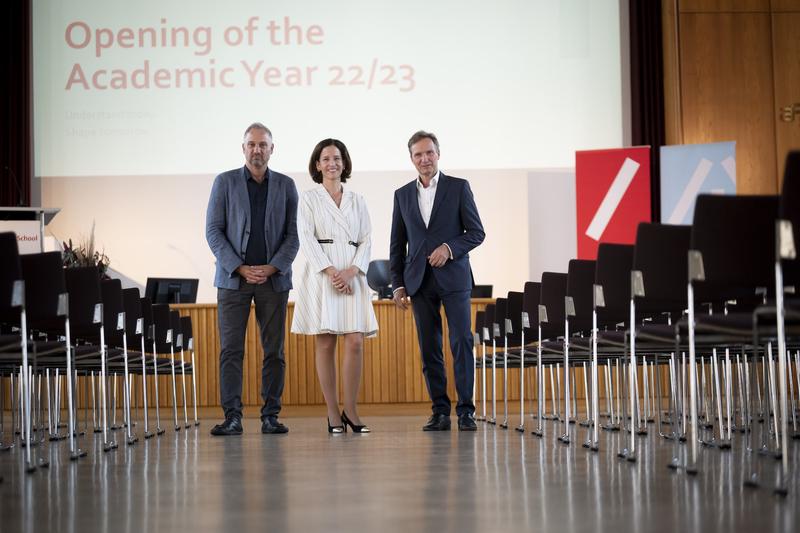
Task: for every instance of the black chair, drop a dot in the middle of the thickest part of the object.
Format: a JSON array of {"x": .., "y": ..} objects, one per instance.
[
  {"x": 135, "y": 329},
  {"x": 499, "y": 327},
  {"x": 490, "y": 340},
  {"x": 732, "y": 246},
  {"x": 188, "y": 342},
  {"x": 117, "y": 337},
  {"x": 165, "y": 338},
  {"x": 550, "y": 318},
  {"x": 150, "y": 336},
  {"x": 180, "y": 342},
  {"x": 577, "y": 321},
  {"x": 481, "y": 291},
  {"x": 12, "y": 311},
  {"x": 610, "y": 306},
  {"x": 379, "y": 278},
  {"x": 89, "y": 329},
  {"x": 515, "y": 336},
  {"x": 479, "y": 325}
]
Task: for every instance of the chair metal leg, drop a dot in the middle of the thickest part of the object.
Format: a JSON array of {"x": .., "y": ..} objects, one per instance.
[
  {"x": 194, "y": 389},
  {"x": 74, "y": 448},
  {"x": 629, "y": 453},
  {"x": 586, "y": 400},
  {"x": 483, "y": 382},
  {"x": 593, "y": 412},
  {"x": 728, "y": 394},
  {"x": 108, "y": 444},
  {"x": 539, "y": 431},
  {"x": 183, "y": 387},
  {"x": 131, "y": 438},
  {"x": 504, "y": 424},
  {"x": 691, "y": 464},
  {"x": 565, "y": 437},
  {"x": 174, "y": 387},
  {"x": 147, "y": 433},
  {"x": 521, "y": 426},
  {"x": 159, "y": 430}
]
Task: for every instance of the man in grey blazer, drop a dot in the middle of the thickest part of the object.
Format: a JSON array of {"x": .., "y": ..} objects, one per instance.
[{"x": 251, "y": 229}]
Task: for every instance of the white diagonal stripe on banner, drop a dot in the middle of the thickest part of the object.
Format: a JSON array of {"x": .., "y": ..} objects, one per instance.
[
  {"x": 729, "y": 164},
  {"x": 690, "y": 192},
  {"x": 612, "y": 199}
]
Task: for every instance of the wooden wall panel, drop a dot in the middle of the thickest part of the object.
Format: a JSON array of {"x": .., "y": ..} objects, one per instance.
[
  {"x": 724, "y": 6},
  {"x": 785, "y": 5},
  {"x": 727, "y": 92},
  {"x": 786, "y": 69}
]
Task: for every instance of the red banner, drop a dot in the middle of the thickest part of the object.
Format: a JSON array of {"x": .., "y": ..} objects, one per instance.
[{"x": 612, "y": 189}]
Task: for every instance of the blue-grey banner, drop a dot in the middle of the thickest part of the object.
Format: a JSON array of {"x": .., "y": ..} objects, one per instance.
[{"x": 692, "y": 169}]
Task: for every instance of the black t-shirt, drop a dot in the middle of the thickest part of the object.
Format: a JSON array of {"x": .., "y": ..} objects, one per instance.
[{"x": 256, "y": 253}]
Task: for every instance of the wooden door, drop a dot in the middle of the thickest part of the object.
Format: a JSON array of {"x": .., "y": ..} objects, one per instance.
[{"x": 786, "y": 72}]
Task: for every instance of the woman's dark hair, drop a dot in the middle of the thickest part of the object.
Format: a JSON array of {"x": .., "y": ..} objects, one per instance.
[{"x": 316, "y": 175}]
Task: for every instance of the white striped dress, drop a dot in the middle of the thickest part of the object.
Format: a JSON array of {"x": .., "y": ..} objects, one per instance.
[{"x": 319, "y": 307}]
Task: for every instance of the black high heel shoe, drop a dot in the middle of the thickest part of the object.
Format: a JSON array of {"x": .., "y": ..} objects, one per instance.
[
  {"x": 356, "y": 429},
  {"x": 337, "y": 430}
]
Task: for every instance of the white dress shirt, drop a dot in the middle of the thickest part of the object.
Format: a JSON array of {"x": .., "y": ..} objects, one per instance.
[{"x": 425, "y": 197}]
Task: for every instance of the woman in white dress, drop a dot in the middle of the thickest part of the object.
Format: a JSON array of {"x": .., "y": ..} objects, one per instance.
[{"x": 333, "y": 298}]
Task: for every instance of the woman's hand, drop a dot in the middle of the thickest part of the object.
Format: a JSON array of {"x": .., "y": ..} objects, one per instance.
[
  {"x": 344, "y": 277},
  {"x": 338, "y": 281}
]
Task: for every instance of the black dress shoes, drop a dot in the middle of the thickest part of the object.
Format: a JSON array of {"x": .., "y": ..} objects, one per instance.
[
  {"x": 437, "y": 422},
  {"x": 466, "y": 422},
  {"x": 270, "y": 425},
  {"x": 231, "y": 426}
]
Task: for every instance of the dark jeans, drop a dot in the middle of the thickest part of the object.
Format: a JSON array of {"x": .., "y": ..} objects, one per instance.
[
  {"x": 426, "y": 304},
  {"x": 233, "y": 311}
]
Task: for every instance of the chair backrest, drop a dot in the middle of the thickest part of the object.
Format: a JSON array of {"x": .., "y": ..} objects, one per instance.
[
  {"x": 736, "y": 237},
  {"x": 186, "y": 329},
  {"x": 83, "y": 286},
  {"x": 488, "y": 320},
  {"x": 500, "y": 315},
  {"x": 789, "y": 209},
  {"x": 378, "y": 278},
  {"x": 10, "y": 271},
  {"x": 660, "y": 255},
  {"x": 613, "y": 274},
  {"x": 161, "y": 321},
  {"x": 530, "y": 304},
  {"x": 580, "y": 279},
  {"x": 111, "y": 292},
  {"x": 514, "y": 314},
  {"x": 177, "y": 332},
  {"x": 147, "y": 316},
  {"x": 554, "y": 288},
  {"x": 479, "y": 321},
  {"x": 481, "y": 291},
  {"x": 44, "y": 282},
  {"x": 133, "y": 311}
]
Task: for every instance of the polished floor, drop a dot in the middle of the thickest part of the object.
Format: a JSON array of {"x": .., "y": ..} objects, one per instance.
[{"x": 395, "y": 479}]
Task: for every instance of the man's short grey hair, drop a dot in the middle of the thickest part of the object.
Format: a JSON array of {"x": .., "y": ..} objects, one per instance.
[
  {"x": 257, "y": 126},
  {"x": 420, "y": 135}
]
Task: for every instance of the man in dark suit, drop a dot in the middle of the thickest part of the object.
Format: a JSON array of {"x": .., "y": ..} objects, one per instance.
[
  {"x": 251, "y": 228},
  {"x": 435, "y": 224}
]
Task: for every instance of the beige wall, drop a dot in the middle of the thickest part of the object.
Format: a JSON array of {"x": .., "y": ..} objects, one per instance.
[{"x": 153, "y": 226}]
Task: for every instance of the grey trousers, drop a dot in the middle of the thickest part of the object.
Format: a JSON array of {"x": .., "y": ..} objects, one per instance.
[{"x": 233, "y": 311}]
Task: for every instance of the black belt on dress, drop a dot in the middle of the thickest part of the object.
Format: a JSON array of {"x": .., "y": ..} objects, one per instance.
[{"x": 330, "y": 241}]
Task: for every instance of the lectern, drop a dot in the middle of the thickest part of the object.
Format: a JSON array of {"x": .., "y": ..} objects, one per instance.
[{"x": 28, "y": 223}]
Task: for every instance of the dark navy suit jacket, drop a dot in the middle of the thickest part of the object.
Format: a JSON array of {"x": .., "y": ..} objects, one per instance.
[
  {"x": 454, "y": 221},
  {"x": 228, "y": 227}
]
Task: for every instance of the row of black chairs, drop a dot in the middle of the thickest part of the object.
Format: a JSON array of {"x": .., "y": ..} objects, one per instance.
[
  {"x": 703, "y": 317},
  {"x": 59, "y": 324}
]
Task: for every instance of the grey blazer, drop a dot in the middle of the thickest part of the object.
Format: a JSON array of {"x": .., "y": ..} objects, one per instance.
[{"x": 228, "y": 227}]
